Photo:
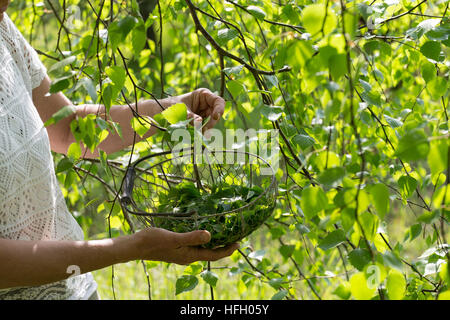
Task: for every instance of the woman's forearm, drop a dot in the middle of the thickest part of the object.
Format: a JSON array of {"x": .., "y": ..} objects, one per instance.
[
  {"x": 32, "y": 263},
  {"x": 122, "y": 114},
  {"x": 201, "y": 104},
  {"x": 61, "y": 136}
]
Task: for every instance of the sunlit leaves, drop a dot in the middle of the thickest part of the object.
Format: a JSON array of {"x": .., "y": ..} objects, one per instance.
[
  {"x": 89, "y": 86},
  {"x": 185, "y": 283},
  {"x": 429, "y": 217},
  {"x": 359, "y": 258},
  {"x": 343, "y": 291},
  {"x": 338, "y": 65},
  {"x": 303, "y": 140},
  {"x": 372, "y": 98},
  {"x": 431, "y": 50},
  {"x": 317, "y": 18},
  {"x": 313, "y": 201},
  {"x": 291, "y": 13},
  {"x": 295, "y": 54},
  {"x": 287, "y": 250},
  {"x": 257, "y": 255},
  {"x": 90, "y": 130},
  {"x": 235, "y": 87},
  {"x": 428, "y": 71},
  {"x": 380, "y": 198},
  {"x": 445, "y": 272},
  {"x": 413, "y": 146},
  {"x": 61, "y": 74},
  {"x": 332, "y": 176},
  {"x": 59, "y": 85},
  {"x": 140, "y": 125},
  {"x": 225, "y": 35},
  {"x": 107, "y": 96},
  {"x": 392, "y": 260},
  {"x": 395, "y": 285},
  {"x": 209, "y": 277},
  {"x": 117, "y": 76},
  {"x": 233, "y": 70},
  {"x": 74, "y": 151},
  {"x": 272, "y": 113},
  {"x": 257, "y": 12},
  {"x": 422, "y": 28},
  {"x": 374, "y": 46},
  {"x": 280, "y": 295},
  {"x": 444, "y": 295},
  {"x": 413, "y": 232},
  {"x": 351, "y": 23},
  {"x": 441, "y": 199},
  {"x": 438, "y": 156},
  {"x": 63, "y": 165},
  {"x": 138, "y": 38},
  {"x": 407, "y": 185},
  {"x": 437, "y": 87},
  {"x": 359, "y": 287},
  {"x": 332, "y": 240},
  {"x": 118, "y": 30},
  {"x": 61, "y": 64},
  {"x": 175, "y": 113},
  {"x": 393, "y": 122}
]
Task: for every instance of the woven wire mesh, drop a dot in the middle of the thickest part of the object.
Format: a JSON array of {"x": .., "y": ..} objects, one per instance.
[{"x": 228, "y": 192}]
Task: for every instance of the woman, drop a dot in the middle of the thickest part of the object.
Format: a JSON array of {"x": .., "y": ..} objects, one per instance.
[{"x": 40, "y": 242}]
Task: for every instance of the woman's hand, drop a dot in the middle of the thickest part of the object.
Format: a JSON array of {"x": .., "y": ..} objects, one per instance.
[
  {"x": 181, "y": 248},
  {"x": 202, "y": 103}
]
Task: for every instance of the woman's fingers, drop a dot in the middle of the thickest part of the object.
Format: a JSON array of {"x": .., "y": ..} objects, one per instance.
[
  {"x": 189, "y": 250},
  {"x": 197, "y": 119},
  {"x": 216, "y": 108},
  {"x": 216, "y": 254},
  {"x": 194, "y": 238},
  {"x": 207, "y": 104}
]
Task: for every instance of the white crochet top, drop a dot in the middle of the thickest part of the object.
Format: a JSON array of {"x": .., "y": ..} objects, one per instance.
[{"x": 32, "y": 206}]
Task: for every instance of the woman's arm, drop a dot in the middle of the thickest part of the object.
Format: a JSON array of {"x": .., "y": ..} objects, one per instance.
[
  {"x": 201, "y": 104},
  {"x": 26, "y": 263},
  {"x": 32, "y": 263}
]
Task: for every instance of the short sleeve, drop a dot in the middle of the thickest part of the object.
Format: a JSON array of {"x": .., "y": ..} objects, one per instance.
[
  {"x": 36, "y": 68},
  {"x": 32, "y": 65}
]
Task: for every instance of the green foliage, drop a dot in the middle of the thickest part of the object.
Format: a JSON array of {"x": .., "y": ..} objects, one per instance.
[
  {"x": 318, "y": 18},
  {"x": 208, "y": 210},
  {"x": 395, "y": 285},
  {"x": 175, "y": 113},
  {"x": 332, "y": 240},
  {"x": 186, "y": 283},
  {"x": 363, "y": 204}
]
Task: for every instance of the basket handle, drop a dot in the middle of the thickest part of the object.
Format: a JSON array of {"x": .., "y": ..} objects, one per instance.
[{"x": 128, "y": 185}]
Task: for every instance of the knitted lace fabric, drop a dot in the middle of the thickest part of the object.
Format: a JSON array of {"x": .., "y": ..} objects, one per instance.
[{"x": 32, "y": 206}]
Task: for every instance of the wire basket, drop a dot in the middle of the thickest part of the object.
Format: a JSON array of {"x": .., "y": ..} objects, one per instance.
[{"x": 230, "y": 193}]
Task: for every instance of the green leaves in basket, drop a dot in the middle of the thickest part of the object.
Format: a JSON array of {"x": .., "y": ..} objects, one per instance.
[
  {"x": 185, "y": 191},
  {"x": 186, "y": 196},
  {"x": 221, "y": 198}
]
